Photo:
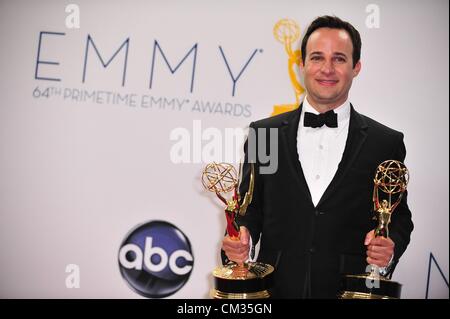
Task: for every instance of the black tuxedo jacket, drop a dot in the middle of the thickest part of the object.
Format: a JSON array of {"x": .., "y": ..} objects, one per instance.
[{"x": 312, "y": 247}]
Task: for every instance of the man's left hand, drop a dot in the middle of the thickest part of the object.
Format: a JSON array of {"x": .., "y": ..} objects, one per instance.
[{"x": 379, "y": 249}]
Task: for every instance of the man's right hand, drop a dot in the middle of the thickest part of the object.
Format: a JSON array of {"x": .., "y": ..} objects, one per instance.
[{"x": 237, "y": 249}]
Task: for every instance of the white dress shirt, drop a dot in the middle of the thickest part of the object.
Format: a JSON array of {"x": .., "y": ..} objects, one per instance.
[{"x": 320, "y": 149}]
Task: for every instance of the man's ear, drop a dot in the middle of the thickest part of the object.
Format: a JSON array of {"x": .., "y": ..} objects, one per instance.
[
  {"x": 357, "y": 69},
  {"x": 301, "y": 66}
]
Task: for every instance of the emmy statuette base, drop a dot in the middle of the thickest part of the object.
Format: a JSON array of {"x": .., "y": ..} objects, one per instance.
[
  {"x": 356, "y": 287},
  {"x": 250, "y": 281}
]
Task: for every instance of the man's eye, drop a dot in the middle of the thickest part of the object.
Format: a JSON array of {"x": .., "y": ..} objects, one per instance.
[
  {"x": 340, "y": 59},
  {"x": 316, "y": 58}
]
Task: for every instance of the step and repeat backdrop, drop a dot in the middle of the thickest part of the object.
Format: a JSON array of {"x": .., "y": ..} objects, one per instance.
[{"x": 110, "y": 110}]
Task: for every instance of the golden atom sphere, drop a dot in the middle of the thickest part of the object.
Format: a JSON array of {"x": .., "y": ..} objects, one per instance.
[
  {"x": 286, "y": 31},
  {"x": 219, "y": 177},
  {"x": 392, "y": 177}
]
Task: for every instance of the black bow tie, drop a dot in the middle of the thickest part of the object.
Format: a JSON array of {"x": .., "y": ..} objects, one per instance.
[{"x": 318, "y": 120}]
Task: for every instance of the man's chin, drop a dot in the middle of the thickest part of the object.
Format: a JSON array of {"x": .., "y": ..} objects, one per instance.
[{"x": 327, "y": 99}]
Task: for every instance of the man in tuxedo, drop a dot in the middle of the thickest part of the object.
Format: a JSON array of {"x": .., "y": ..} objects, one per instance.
[{"x": 313, "y": 216}]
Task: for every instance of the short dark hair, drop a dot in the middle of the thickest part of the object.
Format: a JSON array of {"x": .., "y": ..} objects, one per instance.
[{"x": 334, "y": 22}]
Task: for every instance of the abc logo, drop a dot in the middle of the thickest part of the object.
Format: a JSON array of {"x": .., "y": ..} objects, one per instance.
[{"x": 156, "y": 259}]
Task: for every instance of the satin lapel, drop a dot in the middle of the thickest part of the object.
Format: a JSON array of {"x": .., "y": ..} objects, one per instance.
[
  {"x": 289, "y": 132},
  {"x": 356, "y": 136}
]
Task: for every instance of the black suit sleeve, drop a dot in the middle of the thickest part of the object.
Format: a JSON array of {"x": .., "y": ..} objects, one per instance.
[
  {"x": 253, "y": 216},
  {"x": 252, "y": 219},
  {"x": 401, "y": 223}
]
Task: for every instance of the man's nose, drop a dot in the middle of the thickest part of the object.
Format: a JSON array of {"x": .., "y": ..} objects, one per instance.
[{"x": 327, "y": 67}]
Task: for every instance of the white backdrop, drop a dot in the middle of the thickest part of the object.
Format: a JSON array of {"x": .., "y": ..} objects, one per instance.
[{"x": 77, "y": 175}]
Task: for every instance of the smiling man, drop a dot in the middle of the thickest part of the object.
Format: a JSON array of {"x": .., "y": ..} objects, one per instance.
[
  {"x": 313, "y": 216},
  {"x": 329, "y": 67}
]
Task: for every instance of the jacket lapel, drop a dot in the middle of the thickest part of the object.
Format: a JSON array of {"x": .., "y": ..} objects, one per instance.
[
  {"x": 356, "y": 136},
  {"x": 289, "y": 132}
]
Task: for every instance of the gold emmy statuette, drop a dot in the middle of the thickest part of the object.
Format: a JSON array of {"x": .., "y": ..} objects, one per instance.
[
  {"x": 287, "y": 32},
  {"x": 233, "y": 281},
  {"x": 391, "y": 178}
]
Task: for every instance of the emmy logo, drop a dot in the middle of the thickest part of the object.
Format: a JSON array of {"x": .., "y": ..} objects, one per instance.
[
  {"x": 235, "y": 281},
  {"x": 287, "y": 32}
]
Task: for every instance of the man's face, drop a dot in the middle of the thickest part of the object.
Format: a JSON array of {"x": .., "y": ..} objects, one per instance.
[{"x": 328, "y": 70}]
